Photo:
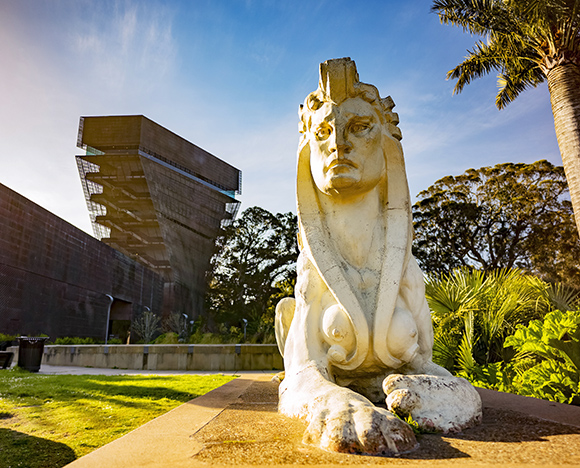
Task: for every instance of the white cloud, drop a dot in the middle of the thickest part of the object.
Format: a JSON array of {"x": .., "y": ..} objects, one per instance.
[
  {"x": 130, "y": 44},
  {"x": 109, "y": 57}
]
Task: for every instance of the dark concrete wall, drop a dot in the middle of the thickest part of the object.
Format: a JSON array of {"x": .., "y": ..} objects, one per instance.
[{"x": 54, "y": 278}]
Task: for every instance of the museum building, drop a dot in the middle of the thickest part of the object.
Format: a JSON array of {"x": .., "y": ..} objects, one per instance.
[{"x": 156, "y": 202}]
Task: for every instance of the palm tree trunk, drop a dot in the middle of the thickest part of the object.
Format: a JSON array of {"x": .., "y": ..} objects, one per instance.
[{"x": 564, "y": 86}]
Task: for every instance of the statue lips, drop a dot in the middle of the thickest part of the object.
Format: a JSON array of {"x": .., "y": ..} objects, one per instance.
[{"x": 340, "y": 164}]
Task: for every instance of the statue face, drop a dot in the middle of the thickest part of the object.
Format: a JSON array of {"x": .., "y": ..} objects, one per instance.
[{"x": 346, "y": 155}]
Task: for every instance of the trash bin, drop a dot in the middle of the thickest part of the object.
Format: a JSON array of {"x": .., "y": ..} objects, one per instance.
[{"x": 30, "y": 352}]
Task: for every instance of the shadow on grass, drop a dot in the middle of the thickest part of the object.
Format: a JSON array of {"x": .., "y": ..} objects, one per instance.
[
  {"x": 23, "y": 450},
  {"x": 121, "y": 390}
]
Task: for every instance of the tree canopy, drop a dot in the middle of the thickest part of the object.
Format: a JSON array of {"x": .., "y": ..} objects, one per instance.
[
  {"x": 254, "y": 263},
  {"x": 505, "y": 216},
  {"x": 526, "y": 42}
]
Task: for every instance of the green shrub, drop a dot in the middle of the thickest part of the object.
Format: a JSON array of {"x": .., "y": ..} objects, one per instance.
[
  {"x": 473, "y": 312},
  {"x": 167, "y": 338},
  {"x": 210, "y": 338},
  {"x": 508, "y": 331},
  {"x": 74, "y": 340},
  {"x": 549, "y": 357}
]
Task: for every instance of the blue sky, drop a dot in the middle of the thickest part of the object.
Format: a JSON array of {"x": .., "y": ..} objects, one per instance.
[{"x": 228, "y": 75}]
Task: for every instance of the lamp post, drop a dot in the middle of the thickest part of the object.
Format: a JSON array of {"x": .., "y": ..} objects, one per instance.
[
  {"x": 245, "y": 325},
  {"x": 108, "y": 317},
  {"x": 185, "y": 327}
]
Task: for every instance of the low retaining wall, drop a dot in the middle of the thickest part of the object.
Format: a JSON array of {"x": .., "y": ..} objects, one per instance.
[{"x": 165, "y": 357}]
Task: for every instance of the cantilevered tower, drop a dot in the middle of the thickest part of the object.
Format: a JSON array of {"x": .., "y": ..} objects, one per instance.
[{"x": 157, "y": 198}]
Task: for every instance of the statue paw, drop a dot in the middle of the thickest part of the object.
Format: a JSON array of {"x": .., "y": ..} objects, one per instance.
[
  {"x": 347, "y": 425},
  {"x": 435, "y": 403}
]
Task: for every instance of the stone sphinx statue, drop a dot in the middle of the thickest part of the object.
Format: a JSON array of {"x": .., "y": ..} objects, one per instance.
[{"x": 359, "y": 330}]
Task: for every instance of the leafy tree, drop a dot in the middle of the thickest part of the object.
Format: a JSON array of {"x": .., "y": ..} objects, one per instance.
[
  {"x": 527, "y": 42},
  {"x": 509, "y": 215},
  {"x": 255, "y": 260}
]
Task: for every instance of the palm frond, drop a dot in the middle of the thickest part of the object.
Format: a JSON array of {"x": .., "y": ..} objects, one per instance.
[
  {"x": 524, "y": 39},
  {"x": 444, "y": 350},
  {"x": 513, "y": 82},
  {"x": 453, "y": 294},
  {"x": 479, "y": 62},
  {"x": 479, "y": 17},
  {"x": 465, "y": 359},
  {"x": 563, "y": 297}
]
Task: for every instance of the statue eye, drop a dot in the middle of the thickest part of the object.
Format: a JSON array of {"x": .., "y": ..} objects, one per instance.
[
  {"x": 323, "y": 133},
  {"x": 359, "y": 127}
]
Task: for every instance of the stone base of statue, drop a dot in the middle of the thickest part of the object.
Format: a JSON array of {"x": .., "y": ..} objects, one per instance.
[{"x": 357, "y": 338}]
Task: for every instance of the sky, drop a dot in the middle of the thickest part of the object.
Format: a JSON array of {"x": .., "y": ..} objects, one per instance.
[{"x": 229, "y": 75}]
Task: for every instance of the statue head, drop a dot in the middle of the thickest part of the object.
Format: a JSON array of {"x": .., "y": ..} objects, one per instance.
[{"x": 345, "y": 123}]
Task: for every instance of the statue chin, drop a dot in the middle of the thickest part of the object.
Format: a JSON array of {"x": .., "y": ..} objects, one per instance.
[
  {"x": 359, "y": 328},
  {"x": 347, "y": 185},
  {"x": 342, "y": 187}
]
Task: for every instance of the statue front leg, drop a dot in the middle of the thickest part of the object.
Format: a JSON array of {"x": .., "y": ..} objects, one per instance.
[
  {"x": 340, "y": 419},
  {"x": 438, "y": 403}
]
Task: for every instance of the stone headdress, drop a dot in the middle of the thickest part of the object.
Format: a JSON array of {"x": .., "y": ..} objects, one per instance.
[{"x": 339, "y": 81}]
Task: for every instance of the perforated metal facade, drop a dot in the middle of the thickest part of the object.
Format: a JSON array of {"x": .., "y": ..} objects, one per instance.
[{"x": 157, "y": 198}]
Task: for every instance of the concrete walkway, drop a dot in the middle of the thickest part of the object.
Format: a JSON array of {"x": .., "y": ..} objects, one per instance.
[{"x": 238, "y": 424}]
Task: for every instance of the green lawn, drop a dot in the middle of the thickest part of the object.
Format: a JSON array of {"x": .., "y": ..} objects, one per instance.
[{"x": 50, "y": 420}]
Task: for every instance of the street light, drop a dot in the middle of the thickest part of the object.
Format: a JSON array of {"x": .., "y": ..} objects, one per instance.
[
  {"x": 245, "y": 325},
  {"x": 108, "y": 317},
  {"x": 185, "y": 328}
]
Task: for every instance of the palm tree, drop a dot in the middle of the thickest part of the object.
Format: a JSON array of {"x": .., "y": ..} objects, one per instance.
[{"x": 527, "y": 42}]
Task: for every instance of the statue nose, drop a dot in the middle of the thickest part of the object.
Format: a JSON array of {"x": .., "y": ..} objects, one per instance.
[{"x": 340, "y": 143}]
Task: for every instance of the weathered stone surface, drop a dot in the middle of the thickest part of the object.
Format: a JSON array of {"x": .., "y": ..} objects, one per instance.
[
  {"x": 221, "y": 357},
  {"x": 360, "y": 313},
  {"x": 249, "y": 432},
  {"x": 436, "y": 404}
]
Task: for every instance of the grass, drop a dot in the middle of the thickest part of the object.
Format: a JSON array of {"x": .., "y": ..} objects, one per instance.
[{"x": 50, "y": 420}]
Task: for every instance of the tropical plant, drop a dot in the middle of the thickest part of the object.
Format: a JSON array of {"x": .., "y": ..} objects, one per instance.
[
  {"x": 499, "y": 217},
  {"x": 147, "y": 326},
  {"x": 548, "y": 354},
  {"x": 473, "y": 312},
  {"x": 527, "y": 42},
  {"x": 177, "y": 324}
]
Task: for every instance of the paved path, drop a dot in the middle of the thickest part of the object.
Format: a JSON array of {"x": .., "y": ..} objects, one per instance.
[{"x": 238, "y": 425}]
